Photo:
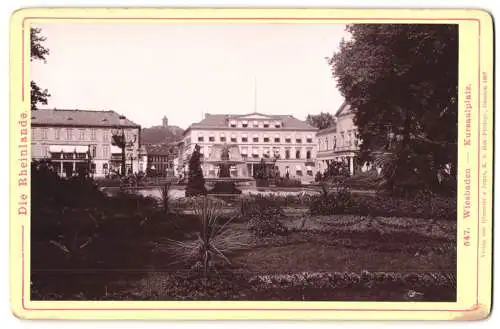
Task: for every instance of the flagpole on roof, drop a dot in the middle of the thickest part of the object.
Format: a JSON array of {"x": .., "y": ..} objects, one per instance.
[{"x": 255, "y": 94}]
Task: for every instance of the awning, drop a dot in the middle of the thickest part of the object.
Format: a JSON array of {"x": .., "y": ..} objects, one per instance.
[
  {"x": 81, "y": 149},
  {"x": 115, "y": 149},
  {"x": 67, "y": 149}
]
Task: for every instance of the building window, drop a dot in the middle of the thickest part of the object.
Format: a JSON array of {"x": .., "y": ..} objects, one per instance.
[
  {"x": 309, "y": 172},
  {"x": 308, "y": 154},
  {"x": 326, "y": 142},
  {"x": 309, "y": 139},
  {"x": 211, "y": 139},
  {"x": 233, "y": 139},
  {"x": 244, "y": 139},
  {"x": 255, "y": 139},
  {"x": 256, "y": 124},
  {"x": 232, "y": 124},
  {"x": 201, "y": 138},
  {"x": 277, "y": 139},
  {"x": 277, "y": 125},
  {"x": 298, "y": 140},
  {"x": 69, "y": 134},
  {"x": 287, "y": 154},
  {"x": 244, "y": 124},
  {"x": 105, "y": 151},
  {"x": 57, "y": 133},
  {"x": 288, "y": 140},
  {"x": 266, "y": 125},
  {"x": 93, "y": 134},
  {"x": 81, "y": 135},
  {"x": 44, "y": 133},
  {"x": 266, "y": 139},
  {"x": 266, "y": 153},
  {"x": 222, "y": 138},
  {"x": 298, "y": 172},
  {"x": 297, "y": 154},
  {"x": 105, "y": 136}
]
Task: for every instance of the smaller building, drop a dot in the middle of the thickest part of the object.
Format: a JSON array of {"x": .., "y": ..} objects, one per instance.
[
  {"x": 160, "y": 160},
  {"x": 340, "y": 142}
]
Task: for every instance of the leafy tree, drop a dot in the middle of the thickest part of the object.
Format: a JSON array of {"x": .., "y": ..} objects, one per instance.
[
  {"x": 401, "y": 81},
  {"x": 196, "y": 181},
  {"x": 322, "y": 121},
  {"x": 38, "y": 52}
]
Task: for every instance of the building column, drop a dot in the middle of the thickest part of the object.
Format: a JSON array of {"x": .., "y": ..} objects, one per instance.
[
  {"x": 351, "y": 165},
  {"x": 62, "y": 169}
]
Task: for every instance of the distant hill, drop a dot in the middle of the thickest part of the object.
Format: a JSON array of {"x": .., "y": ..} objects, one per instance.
[{"x": 161, "y": 134}]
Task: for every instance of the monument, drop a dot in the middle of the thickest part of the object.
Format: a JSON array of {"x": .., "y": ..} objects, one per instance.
[{"x": 231, "y": 169}]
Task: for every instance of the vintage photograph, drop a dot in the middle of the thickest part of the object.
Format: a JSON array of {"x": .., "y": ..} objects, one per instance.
[{"x": 246, "y": 161}]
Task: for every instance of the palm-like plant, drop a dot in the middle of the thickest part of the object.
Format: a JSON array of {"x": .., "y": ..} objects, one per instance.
[{"x": 214, "y": 239}]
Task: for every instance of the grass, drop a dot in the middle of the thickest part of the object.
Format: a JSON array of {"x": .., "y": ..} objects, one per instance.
[{"x": 346, "y": 244}]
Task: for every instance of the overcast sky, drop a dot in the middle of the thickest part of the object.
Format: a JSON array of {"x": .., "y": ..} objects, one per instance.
[{"x": 145, "y": 71}]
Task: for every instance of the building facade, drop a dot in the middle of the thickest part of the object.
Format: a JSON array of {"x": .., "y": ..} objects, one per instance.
[
  {"x": 340, "y": 142},
  {"x": 160, "y": 160},
  {"x": 77, "y": 139},
  {"x": 284, "y": 142}
]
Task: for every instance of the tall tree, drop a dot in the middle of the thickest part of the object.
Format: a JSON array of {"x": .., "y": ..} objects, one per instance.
[
  {"x": 402, "y": 81},
  {"x": 322, "y": 121},
  {"x": 38, "y": 52},
  {"x": 196, "y": 181}
]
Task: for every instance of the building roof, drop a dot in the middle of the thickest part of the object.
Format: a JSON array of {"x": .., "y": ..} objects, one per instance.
[
  {"x": 327, "y": 131},
  {"x": 344, "y": 109},
  {"x": 57, "y": 117},
  {"x": 217, "y": 121}
]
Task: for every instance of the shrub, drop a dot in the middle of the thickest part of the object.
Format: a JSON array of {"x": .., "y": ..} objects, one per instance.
[
  {"x": 264, "y": 216},
  {"x": 214, "y": 240},
  {"x": 328, "y": 203},
  {"x": 287, "y": 182},
  {"x": 196, "y": 181}
]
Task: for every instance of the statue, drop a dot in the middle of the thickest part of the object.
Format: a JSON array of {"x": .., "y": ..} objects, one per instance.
[{"x": 224, "y": 168}]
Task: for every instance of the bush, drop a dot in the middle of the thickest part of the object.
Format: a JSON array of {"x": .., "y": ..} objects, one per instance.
[
  {"x": 365, "y": 180},
  {"x": 287, "y": 182},
  {"x": 328, "y": 203},
  {"x": 264, "y": 216},
  {"x": 196, "y": 181}
]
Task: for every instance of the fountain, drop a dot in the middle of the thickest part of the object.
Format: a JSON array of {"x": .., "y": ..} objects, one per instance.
[{"x": 225, "y": 157}]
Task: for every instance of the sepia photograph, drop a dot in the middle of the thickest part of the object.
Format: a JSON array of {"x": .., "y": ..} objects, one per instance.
[{"x": 248, "y": 161}]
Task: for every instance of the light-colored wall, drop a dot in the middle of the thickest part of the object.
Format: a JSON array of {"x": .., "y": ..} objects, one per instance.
[
  {"x": 101, "y": 137},
  {"x": 191, "y": 139}
]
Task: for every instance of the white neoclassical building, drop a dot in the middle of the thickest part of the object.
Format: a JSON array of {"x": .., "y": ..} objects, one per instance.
[
  {"x": 340, "y": 142},
  {"x": 283, "y": 141}
]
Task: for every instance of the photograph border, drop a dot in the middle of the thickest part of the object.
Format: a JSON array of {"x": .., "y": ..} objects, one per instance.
[{"x": 476, "y": 307}]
